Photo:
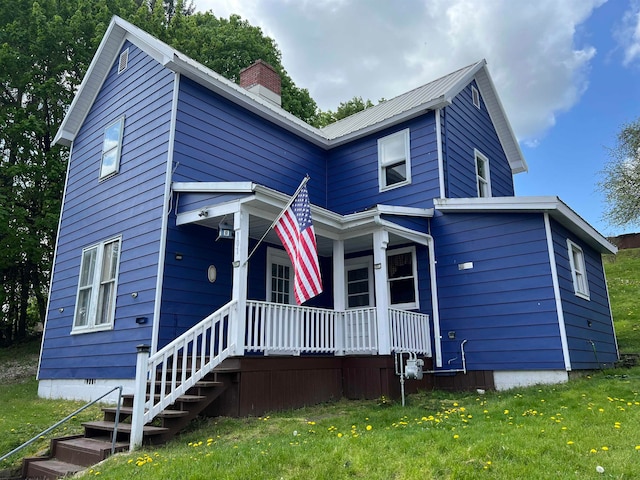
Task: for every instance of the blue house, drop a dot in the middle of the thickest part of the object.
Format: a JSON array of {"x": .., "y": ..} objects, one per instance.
[{"x": 425, "y": 251}]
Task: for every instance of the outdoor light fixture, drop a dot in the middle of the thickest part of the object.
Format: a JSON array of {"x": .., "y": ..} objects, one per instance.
[
  {"x": 178, "y": 256},
  {"x": 225, "y": 231}
]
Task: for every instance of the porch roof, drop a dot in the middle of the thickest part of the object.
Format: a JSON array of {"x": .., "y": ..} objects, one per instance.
[{"x": 220, "y": 200}]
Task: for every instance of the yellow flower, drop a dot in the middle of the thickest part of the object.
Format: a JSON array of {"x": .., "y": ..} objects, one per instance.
[
  {"x": 456, "y": 436},
  {"x": 369, "y": 427},
  {"x": 339, "y": 435},
  {"x": 506, "y": 412},
  {"x": 637, "y": 447},
  {"x": 570, "y": 442},
  {"x": 593, "y": 450},
  {"x": 605, "y": 448}
]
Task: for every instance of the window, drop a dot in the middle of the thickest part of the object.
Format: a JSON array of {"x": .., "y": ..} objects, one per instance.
[
  {"x": 111, "y": 148},
  {"x": 359, "y": 282},
  {"x": 394, "y": 160},
  {"x": 96, "y": 301},
  {"x": 475, "y": 96},
  {"x": 402, "y": 278},
  {"x": 482, "y": 175},
  {"x": 279, "y": 277},
  {"x": 578, "y": 270}
]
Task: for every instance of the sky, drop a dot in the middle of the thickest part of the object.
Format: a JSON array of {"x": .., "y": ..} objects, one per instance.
[{"x": 567, "y": 71}]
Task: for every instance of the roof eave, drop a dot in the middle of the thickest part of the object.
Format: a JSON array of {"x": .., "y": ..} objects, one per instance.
[{"x": 552, "y": 205}]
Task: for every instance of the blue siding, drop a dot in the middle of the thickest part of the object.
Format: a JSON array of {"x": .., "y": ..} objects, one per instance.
[
  {"x": 586, "y": 321},
  {"x": 465, "y": 128},
  {"x": 129, "y": 204},
  {"x": 217, "y": 141},
  {"x": 504, "y": 306},
  {"x": 353, "y": 169}
]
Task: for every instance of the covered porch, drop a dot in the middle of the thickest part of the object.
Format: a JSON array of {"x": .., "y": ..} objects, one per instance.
[{"x": 360, "y": 315}]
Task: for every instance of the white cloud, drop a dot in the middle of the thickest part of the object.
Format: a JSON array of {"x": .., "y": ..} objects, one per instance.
[
  {"x": 629, "y": 35},
  {"x": 339, "y": 49}
]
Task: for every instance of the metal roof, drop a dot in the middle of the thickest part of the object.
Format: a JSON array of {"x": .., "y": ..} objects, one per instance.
[{"x": 433, "y": 95}]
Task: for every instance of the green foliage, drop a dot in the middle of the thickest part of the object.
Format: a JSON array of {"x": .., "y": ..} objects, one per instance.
[
  {"x": 621, "y": 178},
  {"x": 623, "y": 279},
  {"x": 46, "y": 47},
  {"x": 344, "y": 110}
]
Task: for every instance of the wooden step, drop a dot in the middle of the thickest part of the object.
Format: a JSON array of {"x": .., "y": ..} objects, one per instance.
[
  {"x": 128, "y": 411},
  {"x": 50, "y": 469},
  {"x": 85, "y": 451},
  {"x": 105, "y": 426}
]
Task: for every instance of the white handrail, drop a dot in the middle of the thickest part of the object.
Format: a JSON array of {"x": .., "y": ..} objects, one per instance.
[
  {"x": 194, "y": 354},
  {"x": 410, "y": 332}
]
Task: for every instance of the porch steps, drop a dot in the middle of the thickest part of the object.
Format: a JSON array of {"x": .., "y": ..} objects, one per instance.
[{"x": 69, "y": 455}]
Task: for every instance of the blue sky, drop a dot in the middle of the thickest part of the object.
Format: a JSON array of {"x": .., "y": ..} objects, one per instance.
[{"x": 567, "y": 71}]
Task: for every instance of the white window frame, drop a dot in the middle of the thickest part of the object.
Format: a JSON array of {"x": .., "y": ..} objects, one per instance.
[
  {"x": 578, "y": 270},
  {"x": 483, "y": 185},
  {"x": 109, "y": 148},
  {"x": 475, "y": 96},
  {"x": 94, "y": 289},
  {"x": 414, "y": 264},
  {"x": 385, "y": 161},
  {"x": 356, "y": 264},
  {"x": 279, "y": 257}
]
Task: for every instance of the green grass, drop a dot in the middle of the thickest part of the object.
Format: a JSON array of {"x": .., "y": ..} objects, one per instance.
[
  {"x": 558, "y": 432},
  {"x": 623, "y": 278}
]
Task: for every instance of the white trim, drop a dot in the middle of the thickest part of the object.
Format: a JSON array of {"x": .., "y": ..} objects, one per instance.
[
  {"x": 168, "y": 194},
  {"x": 556, "y": 208},
  {"x": 606, "y": 286},
  {"x": 556, "y": 293},
  {"x": 576, "y": 269},
  {"x": 506, "y": 380},
  {"x": 279, "y": 257},
  {"x": 416, "y": 291},
  {"x": 93, "y": 307},
  {"x": 405, "y": 137},
  {"x": 478, "y": 156},
  {"x": 214, "y": 187},
  {"x": 443, "y": 192},
  {"x": 54, "y": 263}
]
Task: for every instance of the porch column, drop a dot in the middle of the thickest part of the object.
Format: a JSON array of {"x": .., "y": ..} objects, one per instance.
[
  {"x": 380, "y": 243},
  {"x": 240, "y": 267},
  {"x": 339, "y": 293}
]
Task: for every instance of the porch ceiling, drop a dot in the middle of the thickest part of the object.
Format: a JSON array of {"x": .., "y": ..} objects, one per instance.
[{"x": 264, "y": 204}]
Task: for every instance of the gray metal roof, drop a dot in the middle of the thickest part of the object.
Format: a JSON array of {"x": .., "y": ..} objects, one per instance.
[
  {"x": 429, "y": 96},
  {"x": 435, "y": 94}
]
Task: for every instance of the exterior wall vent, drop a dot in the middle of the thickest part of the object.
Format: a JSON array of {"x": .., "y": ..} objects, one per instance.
[
  {"x": 124, "y": 60},
  {"x": 475, "y": 95}
]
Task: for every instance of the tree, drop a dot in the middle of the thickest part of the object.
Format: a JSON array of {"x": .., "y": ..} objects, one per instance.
[
  {"x": 344, "y": 110},
  {"x": 46, "y": 47},
  {"x": 621, "y": 178}
]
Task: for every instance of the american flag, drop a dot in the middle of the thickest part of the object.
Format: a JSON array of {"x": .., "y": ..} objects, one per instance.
[{"x": 299, "y": 239}]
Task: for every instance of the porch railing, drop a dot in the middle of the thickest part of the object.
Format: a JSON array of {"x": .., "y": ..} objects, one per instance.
[{"x": 289, "y": 329}]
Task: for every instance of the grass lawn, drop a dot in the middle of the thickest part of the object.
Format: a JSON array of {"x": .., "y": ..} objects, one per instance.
[
  {"x": 623, "y": 278},
  {"x": 586, "y": 429}
]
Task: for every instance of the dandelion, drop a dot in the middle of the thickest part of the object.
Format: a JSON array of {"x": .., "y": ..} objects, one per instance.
[
  {"x": 339, "y": 435},
  {"x": 637, "y": 447},
  {"x": 605, "y": 448},
  {"x": 456, "y": 436},
  {"x": 570, "y": 442},
  {"x": 369, "y": 427},
  {"x": 506, "y": 412},
  {"x": 593, "y": 450}
]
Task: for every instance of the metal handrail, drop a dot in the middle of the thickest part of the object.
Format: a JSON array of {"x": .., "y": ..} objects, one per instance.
[{"x": 53, "y": 427}]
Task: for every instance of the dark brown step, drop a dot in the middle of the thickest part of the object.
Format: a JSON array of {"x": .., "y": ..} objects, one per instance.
[
  {"x": 105, "y": 426},
  {"x": 50, "y": 469},
  {"x": 128, "y": 411},
  {"x": 85, "y": 451}
]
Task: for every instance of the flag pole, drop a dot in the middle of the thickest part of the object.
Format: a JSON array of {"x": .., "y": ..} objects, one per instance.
[{"x": 291, "y": 200}]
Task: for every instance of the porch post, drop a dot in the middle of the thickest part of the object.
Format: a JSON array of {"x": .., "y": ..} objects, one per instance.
[
  {"x": 380, "y": 243},
  {"x": 240, "y": 267},
  {"x": 339, "y": 293},
  {"x": 139, "y": 397}
]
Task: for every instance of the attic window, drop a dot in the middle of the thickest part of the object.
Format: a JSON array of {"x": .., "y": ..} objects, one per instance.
[
  {"x": 394, "y": 160},
  {"x": 123, "y": 62},
  {"x": 475, "y": 95},
  {"x": 111, "y": 148}
]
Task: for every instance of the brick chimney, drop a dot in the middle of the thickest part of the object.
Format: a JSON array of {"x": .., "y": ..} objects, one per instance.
[{"x": 262, "y": 79}]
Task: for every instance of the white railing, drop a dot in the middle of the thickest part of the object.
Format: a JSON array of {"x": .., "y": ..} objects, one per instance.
[
  {"x": 409, "y": 332},
  {"x": 360, "y": 330},
  {"x": 179, "y": 365}
]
